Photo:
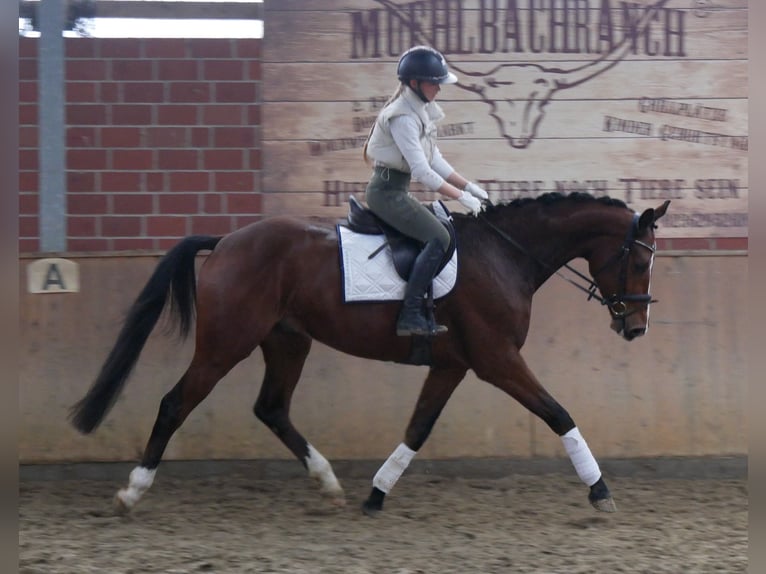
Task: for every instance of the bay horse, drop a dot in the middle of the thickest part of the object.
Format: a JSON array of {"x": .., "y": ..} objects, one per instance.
[{"x": 276, "y": 284}]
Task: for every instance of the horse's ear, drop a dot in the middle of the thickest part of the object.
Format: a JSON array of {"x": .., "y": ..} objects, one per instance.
[
  {"x": 660, "y": 211},
  {"x": 646, "y": 220},
  {"x": 649, "y": 216}
]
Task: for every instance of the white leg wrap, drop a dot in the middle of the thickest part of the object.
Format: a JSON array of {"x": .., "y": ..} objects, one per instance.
[
  {"x": 320, "y": 469},
  {"x": 140, "y": 480},
  {"x": 582, "y": 459},
  {"x": 392, "y": 469}
]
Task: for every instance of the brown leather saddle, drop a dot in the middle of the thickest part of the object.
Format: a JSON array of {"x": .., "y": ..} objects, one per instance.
[{"x": 404, "y": 249}]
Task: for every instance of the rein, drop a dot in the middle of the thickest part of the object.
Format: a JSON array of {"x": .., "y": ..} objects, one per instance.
[{"x": 615, "y": 303}]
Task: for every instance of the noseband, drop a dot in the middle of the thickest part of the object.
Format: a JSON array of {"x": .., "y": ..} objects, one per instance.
[{"x": 616, "y": 303}]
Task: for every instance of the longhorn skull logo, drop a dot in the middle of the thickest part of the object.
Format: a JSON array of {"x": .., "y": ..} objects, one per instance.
[{"x": 517, "y": 94}]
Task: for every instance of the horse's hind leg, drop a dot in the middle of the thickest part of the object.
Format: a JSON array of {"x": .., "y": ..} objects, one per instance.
[
  {"x": 284, "y": 353},
  {"x": 436, "y": 391},
  {"x": 196, "y": 383}
]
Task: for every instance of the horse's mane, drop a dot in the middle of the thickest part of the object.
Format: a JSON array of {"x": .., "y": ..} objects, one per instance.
[
  {"x": 473, "y": 231},
  {"x": 555, "y": 198}
]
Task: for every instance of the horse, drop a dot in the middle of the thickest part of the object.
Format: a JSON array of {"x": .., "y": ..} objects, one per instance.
[{"x": 276, "y": 284}]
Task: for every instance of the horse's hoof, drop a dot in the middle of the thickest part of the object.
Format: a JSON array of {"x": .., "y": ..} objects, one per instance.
[
  {"x": 604, "y": 505},
  {"x": 339, "y": 501},
  {"x": 120, "y": 507},
  {"x": 336, "y": 496},
  {"x": 600, "y": 497},
  {"x": 374, "y": 503},
  {"x": 371, "y": 510}
]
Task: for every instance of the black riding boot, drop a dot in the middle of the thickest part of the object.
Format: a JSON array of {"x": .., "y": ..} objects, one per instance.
[{"x": 412, "y": 317}]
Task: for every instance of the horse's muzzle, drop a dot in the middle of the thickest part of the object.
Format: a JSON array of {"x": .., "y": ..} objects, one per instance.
[
  {"x": 631, "y": 334},
  {"x": 628, "y": 333}
]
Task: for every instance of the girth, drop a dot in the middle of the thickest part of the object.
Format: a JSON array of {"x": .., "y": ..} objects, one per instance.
[{"x": 404, "y": 249}]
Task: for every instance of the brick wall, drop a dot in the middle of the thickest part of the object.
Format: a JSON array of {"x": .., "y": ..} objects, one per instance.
[{"x": 162, "y": 141}]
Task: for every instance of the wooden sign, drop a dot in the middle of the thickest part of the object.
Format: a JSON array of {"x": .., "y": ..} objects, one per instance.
[{"x": 642, "y": 101}]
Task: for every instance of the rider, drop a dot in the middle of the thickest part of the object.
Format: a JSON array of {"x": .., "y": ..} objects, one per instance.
[{"x": 401, "y": 145}]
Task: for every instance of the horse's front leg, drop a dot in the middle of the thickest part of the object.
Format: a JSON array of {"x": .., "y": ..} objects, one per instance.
[
  {"x": 513, "y": 376},
  {"x": 436, "y": 391}
]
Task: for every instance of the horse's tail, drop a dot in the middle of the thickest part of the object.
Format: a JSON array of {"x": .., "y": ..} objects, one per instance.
[{"x": 174, "y": 279}]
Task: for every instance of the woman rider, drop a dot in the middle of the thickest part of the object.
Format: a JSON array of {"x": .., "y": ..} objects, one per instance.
[{"x": 402, "y": 145}]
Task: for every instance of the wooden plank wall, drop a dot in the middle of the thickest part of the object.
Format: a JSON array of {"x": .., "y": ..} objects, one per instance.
[{"x": 642, "y": 100}]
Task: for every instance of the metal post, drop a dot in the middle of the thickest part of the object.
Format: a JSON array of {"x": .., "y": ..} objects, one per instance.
[{"x": 51, "y": 102}]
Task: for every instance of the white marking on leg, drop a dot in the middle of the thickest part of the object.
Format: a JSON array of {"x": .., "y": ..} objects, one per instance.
[
  {"x": 392, "y": 469},
  {"x": 582, "y": 459},
  {"x": 140, "y": 480},
  {"x": 320, "y": 469}
]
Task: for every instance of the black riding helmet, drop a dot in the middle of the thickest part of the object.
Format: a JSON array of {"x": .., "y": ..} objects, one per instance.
[{"x": 423, "y": 63}]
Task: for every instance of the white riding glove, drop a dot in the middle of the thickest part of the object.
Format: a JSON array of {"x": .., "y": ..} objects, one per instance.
[
  {"x": 470, "y": 202},
  {"x": 476, "y": 191}
]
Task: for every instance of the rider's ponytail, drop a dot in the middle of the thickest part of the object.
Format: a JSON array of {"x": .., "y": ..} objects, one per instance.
[{"x": 396, "y": 94}]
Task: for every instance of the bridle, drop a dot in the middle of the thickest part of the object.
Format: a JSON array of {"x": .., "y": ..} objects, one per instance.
[{"x": 616, "y": 302}]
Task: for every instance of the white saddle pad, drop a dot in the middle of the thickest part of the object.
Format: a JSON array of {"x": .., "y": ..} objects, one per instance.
[{"x": 376, "y": 279}]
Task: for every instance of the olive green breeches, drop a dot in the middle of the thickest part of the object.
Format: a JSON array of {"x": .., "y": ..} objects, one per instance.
[{"x": 388, "y": 196}]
